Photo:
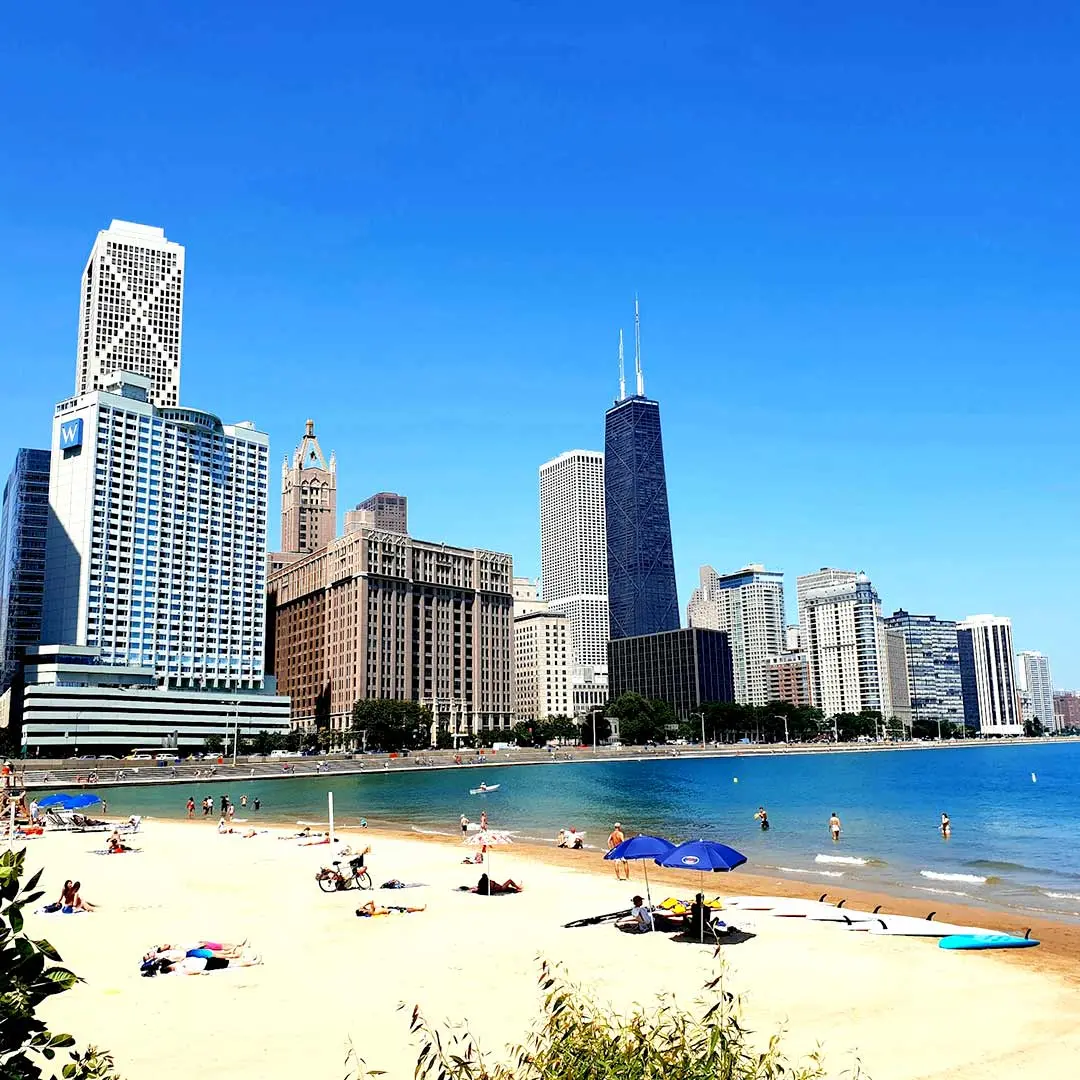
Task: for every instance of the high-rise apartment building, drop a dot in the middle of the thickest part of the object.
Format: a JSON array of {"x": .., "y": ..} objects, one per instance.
[
  {"x": 308, "y": 497},
  {"x": 573, "y": 555},
  {"x": 642, "y": 595},
  {"x": 1033, "y": 673},
  {"x": 896, "y": 669},
  {"x": 156, "y": 546},
  {"x": 24, "y": 518},
  {"x": 789, "y": 678},
  {"x": 748, "y": 605},
  {"x": 933, "y": 666},
  {"x": 385, "y": 510},
  {"x": 542, "y": 656},
  {"x": 131, "y": 310},
  {"x": 988, "y": 675},
  {"x": 381, "y": 615},
  {"x": 842, "y": 631}
]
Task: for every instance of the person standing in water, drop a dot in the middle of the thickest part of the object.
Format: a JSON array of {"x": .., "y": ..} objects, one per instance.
[
  {"x": 834, "y": 826},
  {"x": 762, "y": 815},
  {"x": 946, "y": 825},
  {"x": 622, "y": 867}
]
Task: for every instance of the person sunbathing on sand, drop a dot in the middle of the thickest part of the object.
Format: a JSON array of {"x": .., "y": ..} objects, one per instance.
[
  {"x": 198, "y": 965},
  {"x": 370, "y": 910},
  {"x": 496, "y": 888},
  {"x": 199, "y": 948}
]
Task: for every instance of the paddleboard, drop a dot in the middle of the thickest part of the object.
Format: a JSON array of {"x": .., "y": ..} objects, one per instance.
[
  {"x": 909, "y": 926},
  {"x": 484, "y": 790},
  {"x": 986, "y": 941}
]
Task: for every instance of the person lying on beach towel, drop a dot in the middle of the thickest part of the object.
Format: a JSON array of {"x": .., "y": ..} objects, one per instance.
[
  {"x": 198, "y": 965},
  {"x": 393, "y": 883},
  {"x": 205, "y": 949},
  {"x": 303, "y": 834},
  {"x": 496, "y": 888},
  {"x": 114, "y": 845},
  {"x": 370, "y": 910},
  {"x": 315, "y": 839}
]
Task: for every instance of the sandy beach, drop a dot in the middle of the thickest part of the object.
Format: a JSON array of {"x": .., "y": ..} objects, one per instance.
[{"x": 903, "y": 1007}]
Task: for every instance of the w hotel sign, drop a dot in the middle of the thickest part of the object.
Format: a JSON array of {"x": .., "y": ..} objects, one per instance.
[{"x": 71, "y": 434}]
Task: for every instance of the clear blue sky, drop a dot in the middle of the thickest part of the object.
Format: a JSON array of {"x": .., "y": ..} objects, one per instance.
[{"x": 854, "y": 234}]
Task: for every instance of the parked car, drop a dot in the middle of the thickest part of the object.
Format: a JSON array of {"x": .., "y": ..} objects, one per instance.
[{"x": 138, "y": 757}]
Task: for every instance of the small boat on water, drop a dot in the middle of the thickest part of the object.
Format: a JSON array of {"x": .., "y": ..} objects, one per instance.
[{"x": 483, "y": 789}]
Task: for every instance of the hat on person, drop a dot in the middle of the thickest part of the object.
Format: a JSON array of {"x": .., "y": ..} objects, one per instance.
[
  {"x": 618, "y": 824},
  {"x": 637, "y": 899}
]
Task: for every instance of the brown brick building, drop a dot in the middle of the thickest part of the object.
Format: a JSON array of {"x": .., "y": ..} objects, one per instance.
[{"x": 376, "y": 614}]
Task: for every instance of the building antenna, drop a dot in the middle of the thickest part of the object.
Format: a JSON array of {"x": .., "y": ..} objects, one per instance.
[
  {"x": 622, "y": 371},
  {"x": 637, "y": 349}
]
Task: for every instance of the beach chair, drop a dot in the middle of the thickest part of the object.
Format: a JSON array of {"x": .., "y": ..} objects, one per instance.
[
  {"x": 58, "y": 819},
  {"x": 81, "y": 823}
]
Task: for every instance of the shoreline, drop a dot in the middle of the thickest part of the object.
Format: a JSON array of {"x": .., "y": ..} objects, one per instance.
[{"x": 61, "y": 773}]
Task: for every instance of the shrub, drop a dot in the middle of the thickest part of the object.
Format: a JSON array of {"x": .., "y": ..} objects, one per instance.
[
  {"x": 26, "y": 980},
  {"x": 579, "y": 1039}
]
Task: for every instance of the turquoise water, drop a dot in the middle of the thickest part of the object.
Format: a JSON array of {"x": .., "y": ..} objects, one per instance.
[{"x": 1014, "y": 841}]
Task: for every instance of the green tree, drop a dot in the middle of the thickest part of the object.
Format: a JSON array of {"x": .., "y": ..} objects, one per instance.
[
  {"x": 563, "y": 728},
  {"x": 641, "y": 720},
  {"x": 523, "y": 733},
  {"x": 214, "y": 744},
  {"x": 1033, "y": 728},
  {"x": 264, "y": 742},
  {"x": 390, "y": 725},
  {"x": 27, "y": 979}
]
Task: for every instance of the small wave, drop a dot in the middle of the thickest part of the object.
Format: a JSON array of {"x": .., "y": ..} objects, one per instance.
[
  {"x": 817, "y": 873},
  {"x": 995, "y": 864},
  {"x": 974, "y": 879},
  {"x": 430, "y": 832},
  {"x": 846, "y": 860},
  {"x": 939, "y": 892},
  {"x": 1062, "y": 896}
]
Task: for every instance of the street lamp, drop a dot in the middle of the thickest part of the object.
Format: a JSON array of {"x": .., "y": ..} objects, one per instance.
[
  {"x": 701, "y": 717},
  {"x": 777, "y": 716},
  {"x": 592, "y": 713}
]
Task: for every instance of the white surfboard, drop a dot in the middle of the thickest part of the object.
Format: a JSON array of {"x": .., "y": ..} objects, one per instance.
[{"x": 908, "y": 926}]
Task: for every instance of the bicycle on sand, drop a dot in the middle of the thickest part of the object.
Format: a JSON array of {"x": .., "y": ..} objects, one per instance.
[{"x": 332, "y": 879}]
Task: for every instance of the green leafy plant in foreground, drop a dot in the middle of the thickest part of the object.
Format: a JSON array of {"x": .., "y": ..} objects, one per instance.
[
  {"x": 580, "y": 1039},
  {"x": 26, "y": 980}
]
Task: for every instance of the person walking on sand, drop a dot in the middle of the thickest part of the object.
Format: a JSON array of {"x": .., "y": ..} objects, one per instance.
[
  {"x": 190, "y": 807},
  {"x": 622, "y": 867},
  {"x": 464, "y": 824},
  {"x": 834, "y": 826}
]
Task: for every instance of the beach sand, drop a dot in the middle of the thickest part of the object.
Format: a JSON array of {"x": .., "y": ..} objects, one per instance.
[{"x": 905, "y": 1008}]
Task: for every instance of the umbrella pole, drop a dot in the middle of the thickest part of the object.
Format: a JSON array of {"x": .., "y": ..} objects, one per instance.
[{"x": 645, "y": 869}]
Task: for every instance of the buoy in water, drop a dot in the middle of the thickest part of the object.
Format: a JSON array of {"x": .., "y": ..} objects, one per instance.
[
  {"x": 734, "y": 779},
  {"x": 1033, "y": 778}
]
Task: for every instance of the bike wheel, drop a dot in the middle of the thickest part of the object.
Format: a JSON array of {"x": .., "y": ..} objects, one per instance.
[
  {"x": 363, "y": 880},
  {"x": 327, "y": 880}
]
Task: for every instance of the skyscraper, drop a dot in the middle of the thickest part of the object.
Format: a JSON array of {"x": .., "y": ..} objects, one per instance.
[
  {"x": 386, "y": 511},
  {"x": 24, "y": 518},
  {"x": 933, "y": 666},
  {"x": 988, "y": 675},
  {"x": 542, "y": 656},
  {"x": 842, "y": 632},
  {"x": 131, "y": 310},
  {"x": 749, "y": 606},
  {"x": 642, "y": 595},
  {"x": 308, "y": 497},
  {"x": 573, "y": 554},
  {"x": 1034, "y": 676},
  {"x": 156, "y": 548}
]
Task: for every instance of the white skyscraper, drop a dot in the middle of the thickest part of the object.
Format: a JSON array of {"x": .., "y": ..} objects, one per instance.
[
  {"x": 541, "y": 656},
  {"x": 749, "y": 606},
  {"x": 1033, "y": 673},
  {"x": 844, "y": 638},
  {"x": 988, "y": 675},
  {"x": 131, "y": 310},
  {"x": 573, "y": 554},
  {"x": 156, "y": 545}
]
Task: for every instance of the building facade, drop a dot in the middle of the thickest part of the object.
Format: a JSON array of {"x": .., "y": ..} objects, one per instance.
[
  {"x": 842, "y": 631},
  {"x": 542, "y": 661},
  {"x": 1067, "y": 710},
  {"x": 988, "y": 675},
  {"x": 24, "y": 519},
  {"x": 385, "y": 510},
  {"x": 789, "y": 678},
  {"x": 383, "y": 615},
  {"x": 573, "y": 554},
  {"x": 131, "y": 310},
  {"x": 933, "y": 666},
  {"x": 308, "y": 497},
  {"x": 748, "y": 606},
  {"x": 75, "y": 703},
  {"x": 897, "y": 671},
  {"x": 1033, "y": 672},
  {"x": 156, "y": 544},
  {"x": 686, "y": 668}
]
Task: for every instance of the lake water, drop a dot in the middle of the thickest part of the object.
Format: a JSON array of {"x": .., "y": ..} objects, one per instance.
[{"x": 1014, "y": 841}]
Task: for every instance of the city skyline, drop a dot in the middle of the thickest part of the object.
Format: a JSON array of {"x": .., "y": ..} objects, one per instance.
[{"x": 917, "y": 280}]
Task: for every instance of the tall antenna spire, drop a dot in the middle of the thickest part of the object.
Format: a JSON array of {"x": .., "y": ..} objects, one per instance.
[
  {"x": 637, "y": 349},
  {"x": 622, "y": 371}
]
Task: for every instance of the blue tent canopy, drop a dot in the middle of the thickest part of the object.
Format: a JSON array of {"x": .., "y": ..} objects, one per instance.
[{"x": 69, "y": 802}]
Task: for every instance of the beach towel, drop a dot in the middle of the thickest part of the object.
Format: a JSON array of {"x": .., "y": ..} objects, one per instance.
[
  {"x": 395, "y": 884},
  {"x": 56, "y": 909}
]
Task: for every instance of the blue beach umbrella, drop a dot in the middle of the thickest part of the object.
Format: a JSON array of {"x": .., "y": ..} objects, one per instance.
[
  {"x": 705, "y": 856},
  {"x": 642, "y": 848},
  {"x": 69, "y": 802}
]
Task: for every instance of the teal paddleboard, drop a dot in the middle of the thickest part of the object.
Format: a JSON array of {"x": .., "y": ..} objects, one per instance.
[{"x": 986, "y": 941}]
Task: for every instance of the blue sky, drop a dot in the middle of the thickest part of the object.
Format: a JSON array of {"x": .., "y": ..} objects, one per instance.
[{"x": 853, "y": 232}]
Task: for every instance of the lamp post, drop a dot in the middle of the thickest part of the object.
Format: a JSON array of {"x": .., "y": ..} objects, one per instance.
[
  {"x": 592, "y": 712},
  {"x": 777, "y": 716},
  {"x": 701, "y": 717},
  {"x": 236, "y": 731}
]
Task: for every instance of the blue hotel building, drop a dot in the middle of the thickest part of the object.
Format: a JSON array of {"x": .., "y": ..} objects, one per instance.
[{"x": 24, "y": 522}]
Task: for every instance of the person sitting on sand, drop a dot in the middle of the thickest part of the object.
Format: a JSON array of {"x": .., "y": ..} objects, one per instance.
[
  {"x": 370, "y": 910},
  {"x": 640, "y": 919},
  {"x": 115, "y": 845},
  {"x": 71, "y": 900},
  {"x": 700, "y": 916},
  {"x": 496, "y": 888}
]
